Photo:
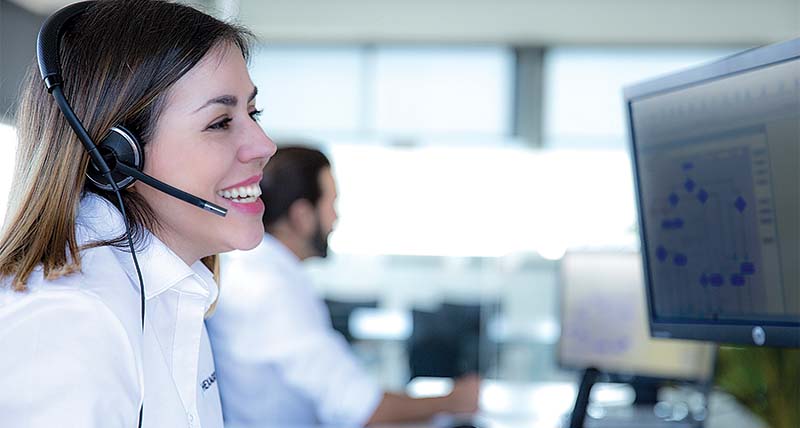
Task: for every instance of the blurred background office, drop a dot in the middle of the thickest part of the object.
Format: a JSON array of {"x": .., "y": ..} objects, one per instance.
[{"x": 473, "y": 142}]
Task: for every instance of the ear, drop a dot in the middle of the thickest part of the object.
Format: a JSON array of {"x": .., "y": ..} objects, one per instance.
[{"x": 302, "y": 217}]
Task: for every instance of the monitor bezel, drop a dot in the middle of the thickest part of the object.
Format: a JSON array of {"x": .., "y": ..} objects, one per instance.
[{"x": 751, "y": 332}]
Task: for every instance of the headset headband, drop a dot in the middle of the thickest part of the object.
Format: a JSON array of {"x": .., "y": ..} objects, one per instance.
[{"x": 49, "y": 40}]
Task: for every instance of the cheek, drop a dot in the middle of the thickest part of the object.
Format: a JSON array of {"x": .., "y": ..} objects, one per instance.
[
  {"x": 189, "y": 168},
  {"x": 329, "y": 217},
  {"x": 164, "y": 157}
]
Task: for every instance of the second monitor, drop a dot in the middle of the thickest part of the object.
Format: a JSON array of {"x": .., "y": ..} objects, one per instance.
[{"x": 604, "y": 324}]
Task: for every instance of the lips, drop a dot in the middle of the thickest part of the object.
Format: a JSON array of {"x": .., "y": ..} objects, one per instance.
[
  {"x": 253, "y": 206},
  {"x": 244, "y": 196},
  {"x": 250, "y": 181}
]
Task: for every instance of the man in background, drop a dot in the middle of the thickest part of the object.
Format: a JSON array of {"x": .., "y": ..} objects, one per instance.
[{"x": 278, "y": 359}]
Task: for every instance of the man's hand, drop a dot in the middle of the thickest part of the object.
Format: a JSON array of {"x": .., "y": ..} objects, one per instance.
[
  {"x": 397, "y": 408},
  {"x": 464, "y": 397}
]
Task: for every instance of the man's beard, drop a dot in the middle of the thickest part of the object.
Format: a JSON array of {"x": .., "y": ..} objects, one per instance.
[{"x": 319, "y": 242}]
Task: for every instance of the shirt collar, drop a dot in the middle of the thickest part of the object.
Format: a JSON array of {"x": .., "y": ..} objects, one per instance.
[{"x": 161, "y": 268}]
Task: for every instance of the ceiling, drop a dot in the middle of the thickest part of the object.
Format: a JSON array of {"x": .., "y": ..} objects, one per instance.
[{"x": 539, "y": 22}]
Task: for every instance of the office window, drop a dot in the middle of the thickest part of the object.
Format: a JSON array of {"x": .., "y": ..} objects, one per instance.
[
  {"x": 446, "y": 90},
  {"x": 583, "y": 104},
  {"x": 306, "y": 90},
  {"x": 425, "y": 94}
]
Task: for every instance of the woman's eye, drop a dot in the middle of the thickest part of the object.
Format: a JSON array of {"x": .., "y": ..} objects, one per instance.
[
  {"x": 226, "y": 123},
  {"x": 255, "y": 114},
  {"x": 222, "y": 124}
]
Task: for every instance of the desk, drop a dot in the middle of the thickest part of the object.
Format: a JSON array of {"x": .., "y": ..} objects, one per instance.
[{"x": 505, "y": 404}]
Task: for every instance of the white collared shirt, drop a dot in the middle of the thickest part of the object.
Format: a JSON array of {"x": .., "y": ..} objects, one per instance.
[
  {"x": 73, "y": 353},
  {"x": 279, "y": 361}
]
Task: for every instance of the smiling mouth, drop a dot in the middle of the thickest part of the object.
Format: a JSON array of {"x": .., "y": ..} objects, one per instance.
[{"x": 242, "y": 194}]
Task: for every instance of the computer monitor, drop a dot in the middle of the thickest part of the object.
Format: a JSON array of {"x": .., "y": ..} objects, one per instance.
[
  {"x": 716, "y": 158},
  {"x": 450, "y": 341},
  {"x": 604, "y": 323}
]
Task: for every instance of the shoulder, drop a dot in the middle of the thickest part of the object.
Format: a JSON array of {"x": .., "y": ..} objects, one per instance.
[
  {"x": 101, "y": 284},
  {"x": 267, "y": 295},
  {"x": 70, "y": 355},
  {"x": 249, "y": 287},
  {"x": 70, "y": 311},
  {"x": 254, "y": 274},
  {"x": 54, "y": 309}
]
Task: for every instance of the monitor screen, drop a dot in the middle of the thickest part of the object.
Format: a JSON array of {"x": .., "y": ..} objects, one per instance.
[
  {"x": 716, "y": 154},
  {"x": 604, "y": 322}
]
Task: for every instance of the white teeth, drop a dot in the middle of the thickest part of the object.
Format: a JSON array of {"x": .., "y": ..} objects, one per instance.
[{"x": 242, "y": 194}]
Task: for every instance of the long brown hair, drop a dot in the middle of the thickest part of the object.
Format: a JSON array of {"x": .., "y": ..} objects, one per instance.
[{"x": 119, "y": 60}]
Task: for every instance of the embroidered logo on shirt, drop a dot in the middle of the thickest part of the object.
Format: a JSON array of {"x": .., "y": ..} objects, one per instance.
[{"x": 207, "y": 382}]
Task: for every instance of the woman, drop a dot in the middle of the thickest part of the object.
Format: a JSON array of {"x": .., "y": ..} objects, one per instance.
[{"x": 73, "y": 351}]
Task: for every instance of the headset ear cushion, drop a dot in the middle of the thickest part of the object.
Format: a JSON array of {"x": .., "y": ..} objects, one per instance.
[{"x": 119, "y": 145}]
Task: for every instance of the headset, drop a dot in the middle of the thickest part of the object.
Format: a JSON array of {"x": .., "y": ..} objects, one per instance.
[{"x": 118, "y": 161}]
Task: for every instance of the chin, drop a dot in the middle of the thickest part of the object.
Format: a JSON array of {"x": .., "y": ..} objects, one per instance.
[
  {"x": 249, "y": 246},
  {"x": 251, "y": 239},
  {"x": 244, "y": 236}
]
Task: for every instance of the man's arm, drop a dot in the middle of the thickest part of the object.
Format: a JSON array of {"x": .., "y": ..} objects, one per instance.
[{"x": 402, "y": 408}]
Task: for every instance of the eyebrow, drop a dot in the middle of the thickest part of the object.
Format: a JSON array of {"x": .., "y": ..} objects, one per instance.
[{"x": 227, "y": 100}]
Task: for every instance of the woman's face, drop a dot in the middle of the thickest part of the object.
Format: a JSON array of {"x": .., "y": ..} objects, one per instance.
[{"x": 207, "y": 143}]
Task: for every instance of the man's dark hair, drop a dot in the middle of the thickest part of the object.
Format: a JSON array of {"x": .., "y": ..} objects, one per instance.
[{"x": 290, "y": 175}]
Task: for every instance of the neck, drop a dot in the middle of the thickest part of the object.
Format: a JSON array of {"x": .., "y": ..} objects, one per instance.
[
  {"x": 185, "y": 252},
  {"x": 291, "y": 240}
]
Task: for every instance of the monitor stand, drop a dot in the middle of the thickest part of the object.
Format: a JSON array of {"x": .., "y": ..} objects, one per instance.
[{"x": 588, "y": 380}]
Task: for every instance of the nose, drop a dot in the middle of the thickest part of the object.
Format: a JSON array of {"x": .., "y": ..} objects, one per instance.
[{"x": 257, "y": 146}]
